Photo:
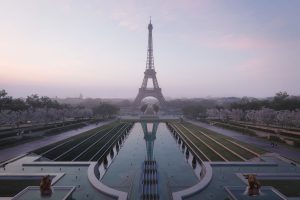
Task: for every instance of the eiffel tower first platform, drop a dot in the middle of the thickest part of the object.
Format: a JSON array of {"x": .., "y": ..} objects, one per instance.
[{"x": 149, "y": 73}]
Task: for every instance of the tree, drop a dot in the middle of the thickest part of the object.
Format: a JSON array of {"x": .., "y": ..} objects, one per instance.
[
  {"x": 18, "y": 106},
  {"x": 281, "y": 101},
  {"x": 47, "y": 103},
  {"x": 64, "y": 108},
  {"x": 34, "y": 102},
  {"x": 280, "y": 96},
  {"x": 106, "y": 110},
  {"x": 193, "y": 111},
  {"x": 5, "y": 101}
]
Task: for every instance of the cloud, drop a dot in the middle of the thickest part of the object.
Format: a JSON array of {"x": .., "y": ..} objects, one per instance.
[
  {"x": 127, "y": 17},
  {"x": 132, "y": 14},
  {"x": 241, "y": 42},
  {"x": 232, "y": 42}
]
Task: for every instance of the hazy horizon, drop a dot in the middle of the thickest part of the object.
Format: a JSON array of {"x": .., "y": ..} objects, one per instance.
[{"x": 202, "y": 48}]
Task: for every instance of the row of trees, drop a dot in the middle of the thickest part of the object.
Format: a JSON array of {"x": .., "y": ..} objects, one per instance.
[
  {"x": 282, "y": 110},
  {"x": 194, "y": 111},
  {"x": 35, "y": 109},
  {"x": 105, "y": 110},
  {"x": 264, "y": 116},
  {"x": 281, "y": 101}
]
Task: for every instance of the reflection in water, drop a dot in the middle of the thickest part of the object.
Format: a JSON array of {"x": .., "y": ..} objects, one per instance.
[
  {"x": 149, "y": 174},
  {"x": 132, "y": 172},
  {"x": 149, "y": 130}
]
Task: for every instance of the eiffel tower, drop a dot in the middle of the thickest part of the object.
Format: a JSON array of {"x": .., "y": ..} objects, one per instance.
[{"x": 149, "y": 73}]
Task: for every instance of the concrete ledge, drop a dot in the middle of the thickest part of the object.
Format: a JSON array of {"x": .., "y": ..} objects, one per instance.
[
  {"x": 56, "y": 164},
  {"x": 120, "y": 195},
  {"x": 35, "y": 190},
  {"x": 243, "y": 164},
  {"x": 268, "y": 192},
  {"x": 198, "y": 187}
]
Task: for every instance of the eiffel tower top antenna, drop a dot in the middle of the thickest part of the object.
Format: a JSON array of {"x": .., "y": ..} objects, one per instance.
[{"x": 150, "y": 59}]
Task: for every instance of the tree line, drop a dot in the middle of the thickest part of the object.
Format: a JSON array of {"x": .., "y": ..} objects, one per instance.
[
  {"x": 281, "y": 101},
  {"x": 282, "y": 109},
  {"x": 35, "y": 109}
]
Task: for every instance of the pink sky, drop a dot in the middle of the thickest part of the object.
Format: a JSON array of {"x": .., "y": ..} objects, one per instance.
[{"x": 98, "y": 48}]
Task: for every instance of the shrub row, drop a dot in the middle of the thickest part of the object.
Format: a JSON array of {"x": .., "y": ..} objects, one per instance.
[
  {"x": 13, "y": 132},
  {"x": 236, "y": 128},
  {"x": 58, "y": 130}
]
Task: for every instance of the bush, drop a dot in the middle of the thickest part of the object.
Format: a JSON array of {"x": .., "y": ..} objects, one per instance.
[
  {"x": 296, "y": 143},
  {"x": 236, "y": 128},
  {"x": 64, "y": 128},
  {"x": 276, "y": 139}
]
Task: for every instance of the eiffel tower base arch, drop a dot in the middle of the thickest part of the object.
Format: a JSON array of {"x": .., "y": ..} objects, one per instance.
[{"x": 145, "y": 92}]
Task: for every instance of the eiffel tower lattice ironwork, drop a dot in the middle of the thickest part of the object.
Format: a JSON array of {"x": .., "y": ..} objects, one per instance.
[{"x": 149, "y": 73}]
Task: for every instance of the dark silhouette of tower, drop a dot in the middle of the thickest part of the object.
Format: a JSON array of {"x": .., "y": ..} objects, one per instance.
[
  {"x": 149, "y": 186},
  {"x": 149, "y": 136},
  {"x": 149, "y": 73}
]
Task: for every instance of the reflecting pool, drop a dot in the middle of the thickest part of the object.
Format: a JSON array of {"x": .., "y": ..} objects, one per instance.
[{"x": 129, "y": 172}]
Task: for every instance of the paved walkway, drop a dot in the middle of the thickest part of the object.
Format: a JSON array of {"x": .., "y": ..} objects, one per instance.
[
  {"x": 14, "y": 151},
  {"x": 282, "y": 149}
]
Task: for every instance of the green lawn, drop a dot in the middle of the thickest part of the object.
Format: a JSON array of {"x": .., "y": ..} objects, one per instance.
[
  {"x": 251, "y": 147},
  {"x": 213, "y": 139}
]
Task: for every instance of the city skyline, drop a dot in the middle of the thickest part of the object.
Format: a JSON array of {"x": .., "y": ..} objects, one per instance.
[{"x": 99, "y": 48}]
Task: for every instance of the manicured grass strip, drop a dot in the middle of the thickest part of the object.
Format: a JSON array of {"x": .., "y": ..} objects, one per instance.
[
  {"x": 85, "y": 153},
  {"x": 251, "y": 147},
  {"x": 208, "y": 142},
  {"x": 79, "y": 147},
  {"x": 106, "y": 147},
  {"x": 206, "y": 149},
  {"x": 88, "y": 133},
  {"x": 60, "y": 150},
  {"x": 57, "y": 150},
  {"x": 199, "y": 153},
  {"x": 95, "y": 144},
  {"x": 229, "y": 156},
  {"x": 234, "y": 154},
  {"x": 244, "y": 152},
  {"x": 248, "y": 153}
]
